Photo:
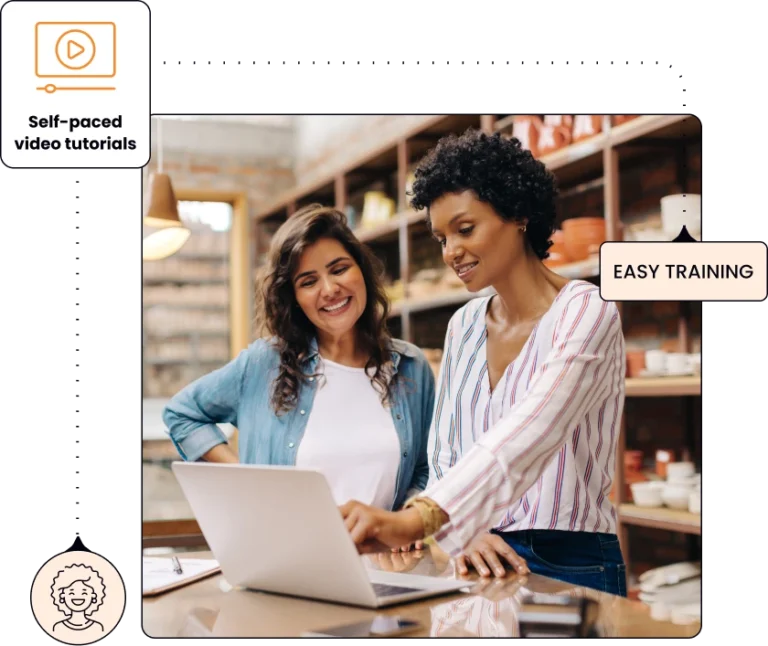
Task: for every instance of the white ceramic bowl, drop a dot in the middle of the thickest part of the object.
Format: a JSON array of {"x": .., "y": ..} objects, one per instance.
[
  {"x": 696, "y": 363},
  {"x": 696, "y": 479},
  {"x": 677, "y": 495},
  {"x": 647, "y": 494},
  {"x": 689, "y": 481},
  {"x": 694, "y": 501},
  {"x": 677, "y": 471},
  {"x": 681, "y": 210}
]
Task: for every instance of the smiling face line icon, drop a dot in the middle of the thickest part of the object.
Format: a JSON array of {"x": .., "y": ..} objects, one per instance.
[
  {"x": 77, "y": 596},
  {"x": 78, "y": 591},
  {"x": 75, "y": 50}
]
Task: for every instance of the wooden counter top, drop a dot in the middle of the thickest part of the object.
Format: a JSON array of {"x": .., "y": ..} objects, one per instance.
[{"x": 210, "y": 608}]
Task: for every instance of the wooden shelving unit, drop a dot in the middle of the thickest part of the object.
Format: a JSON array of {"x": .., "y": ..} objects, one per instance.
[
  {"x": 664, "y": 387},
  {"x": 391, "y": 228},
  {"x": 661, "y": 518},
  {"x": 589, "y": 165},
  {"x": 183, "y": 335},
  {"x": 586, "y": 269}
]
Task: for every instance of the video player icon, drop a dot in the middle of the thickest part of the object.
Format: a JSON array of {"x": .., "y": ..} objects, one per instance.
[{"x": 75, "y": 49}]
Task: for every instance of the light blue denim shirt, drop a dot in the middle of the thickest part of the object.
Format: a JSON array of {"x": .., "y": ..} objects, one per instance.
[{"x": 240, "y": 392}]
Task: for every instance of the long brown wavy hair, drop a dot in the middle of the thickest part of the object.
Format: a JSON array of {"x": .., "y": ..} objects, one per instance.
[{"x": 279, "y": 314}]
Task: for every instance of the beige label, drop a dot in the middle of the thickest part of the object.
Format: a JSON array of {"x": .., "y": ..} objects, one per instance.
[
  {"x": 78, "y": 597},
  {"x": 683, "y": 271}
]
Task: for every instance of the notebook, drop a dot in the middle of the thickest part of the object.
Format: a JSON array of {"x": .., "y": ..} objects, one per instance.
[{"x": 159, "y": 576}]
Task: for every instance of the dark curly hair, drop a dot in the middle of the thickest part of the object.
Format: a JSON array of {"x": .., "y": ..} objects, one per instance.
[
  {"x": 279, "y": 314},
  {"x": 500, "y": 172}
]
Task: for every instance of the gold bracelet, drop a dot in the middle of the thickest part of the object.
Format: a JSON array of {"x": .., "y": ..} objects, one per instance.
[{"x": 432, "y": 516}]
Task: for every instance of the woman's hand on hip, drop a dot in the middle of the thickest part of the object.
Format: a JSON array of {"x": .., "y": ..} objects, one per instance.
[
  {"x": 487, "y": 553},
  {"x": 376, "y": 530}
]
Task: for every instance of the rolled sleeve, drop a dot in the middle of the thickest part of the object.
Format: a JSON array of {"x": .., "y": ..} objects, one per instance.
[{"x": 201, "y": 440}]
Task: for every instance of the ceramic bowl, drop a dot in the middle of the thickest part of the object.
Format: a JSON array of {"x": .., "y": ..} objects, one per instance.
[
  {"x": 681, "y": 210},
  {"x": 679, "y": 471},
  {"x": 677, "y": 496},
  {"x": 647, "y": 494},
  {"x": 694, "y": 501}
]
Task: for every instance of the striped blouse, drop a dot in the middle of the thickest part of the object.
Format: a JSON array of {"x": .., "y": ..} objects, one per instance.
[{"x": 539, "y": 451}]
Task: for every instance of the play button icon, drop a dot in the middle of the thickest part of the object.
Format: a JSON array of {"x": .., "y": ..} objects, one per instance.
[{"x": 75, "y": 49}]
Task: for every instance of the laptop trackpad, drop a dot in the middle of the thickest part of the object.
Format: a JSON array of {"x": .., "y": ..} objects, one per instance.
[
  {"x": 385, "y": 590},
  {"x": 416, "y": 582}
]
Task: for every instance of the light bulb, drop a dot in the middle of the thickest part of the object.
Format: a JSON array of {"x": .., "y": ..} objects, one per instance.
[{"x": 164, "y": 243}]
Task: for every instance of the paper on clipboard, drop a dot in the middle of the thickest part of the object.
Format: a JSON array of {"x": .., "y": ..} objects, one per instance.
[{"x": 159, "y": 576}]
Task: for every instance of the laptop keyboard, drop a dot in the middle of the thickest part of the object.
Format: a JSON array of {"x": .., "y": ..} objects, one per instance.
[{"x": 383, "y": 590}]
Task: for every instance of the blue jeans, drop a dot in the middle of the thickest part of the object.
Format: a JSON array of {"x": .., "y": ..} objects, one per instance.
[{"x": 588, "y": 559}]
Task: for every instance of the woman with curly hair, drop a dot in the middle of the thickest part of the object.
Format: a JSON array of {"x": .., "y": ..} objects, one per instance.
[
  {"x": 78, "y": 591},
  {"x": 531, "y": 388},
  {"x": 330, "y": 389}
]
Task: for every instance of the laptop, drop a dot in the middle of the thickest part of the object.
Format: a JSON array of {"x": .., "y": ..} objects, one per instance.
[{"x": 278, "y": 529}]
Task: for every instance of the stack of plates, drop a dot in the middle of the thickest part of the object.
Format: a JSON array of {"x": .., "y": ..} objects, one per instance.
[{"x": 673, "y": 592}]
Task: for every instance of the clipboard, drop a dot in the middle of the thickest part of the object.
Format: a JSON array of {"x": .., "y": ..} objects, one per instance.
[{"x": 158, "y": 576}]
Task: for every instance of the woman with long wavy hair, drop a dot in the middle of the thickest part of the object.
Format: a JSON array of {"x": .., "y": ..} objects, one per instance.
[{"x": 326, "y": 388}]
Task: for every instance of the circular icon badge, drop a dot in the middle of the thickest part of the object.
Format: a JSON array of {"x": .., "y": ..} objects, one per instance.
[
  {"x": 75, "y": 49},
  {"x": 78, "y": 597}
]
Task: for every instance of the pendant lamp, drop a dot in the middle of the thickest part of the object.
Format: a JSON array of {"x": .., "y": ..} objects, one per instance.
[
  {"x": 163, "y": 243},
  {"x": 163, "y": 213},
  {"x": 163, "y": 208}
]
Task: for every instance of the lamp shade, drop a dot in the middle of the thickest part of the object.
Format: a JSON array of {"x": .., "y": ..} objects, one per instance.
[
  {"x": 163, "y": 208},
  {"x": 164, "y": 243}
]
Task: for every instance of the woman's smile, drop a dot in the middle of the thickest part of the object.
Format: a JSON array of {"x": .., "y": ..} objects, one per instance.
[
  {"x": 466, "y": 270},
  {"x": 338, "y": 307}
]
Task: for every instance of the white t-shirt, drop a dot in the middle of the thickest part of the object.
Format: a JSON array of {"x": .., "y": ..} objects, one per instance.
[
  {"x": 351, "y": 438},
  {"x": 86, "y": 633}
]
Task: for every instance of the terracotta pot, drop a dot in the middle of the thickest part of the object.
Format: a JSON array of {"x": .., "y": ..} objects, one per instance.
[
  {"x": 635, "y": 362},
  {"x": 564, "y": 120},
  {"x": 633, "y": 460},
  {"x": 583, "y": 237},
  {"x": 558, "y": 255},
  {"x": 552, "y": 138},
  {"x": 586, "y": 125},
  {"x": 555, "y": 260},
  {"x": 526, "y": 129},
  {"x": 573, "y": 223},
  {"x": 618, "y": 119},
  {"x": 558, "y": 240}
]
